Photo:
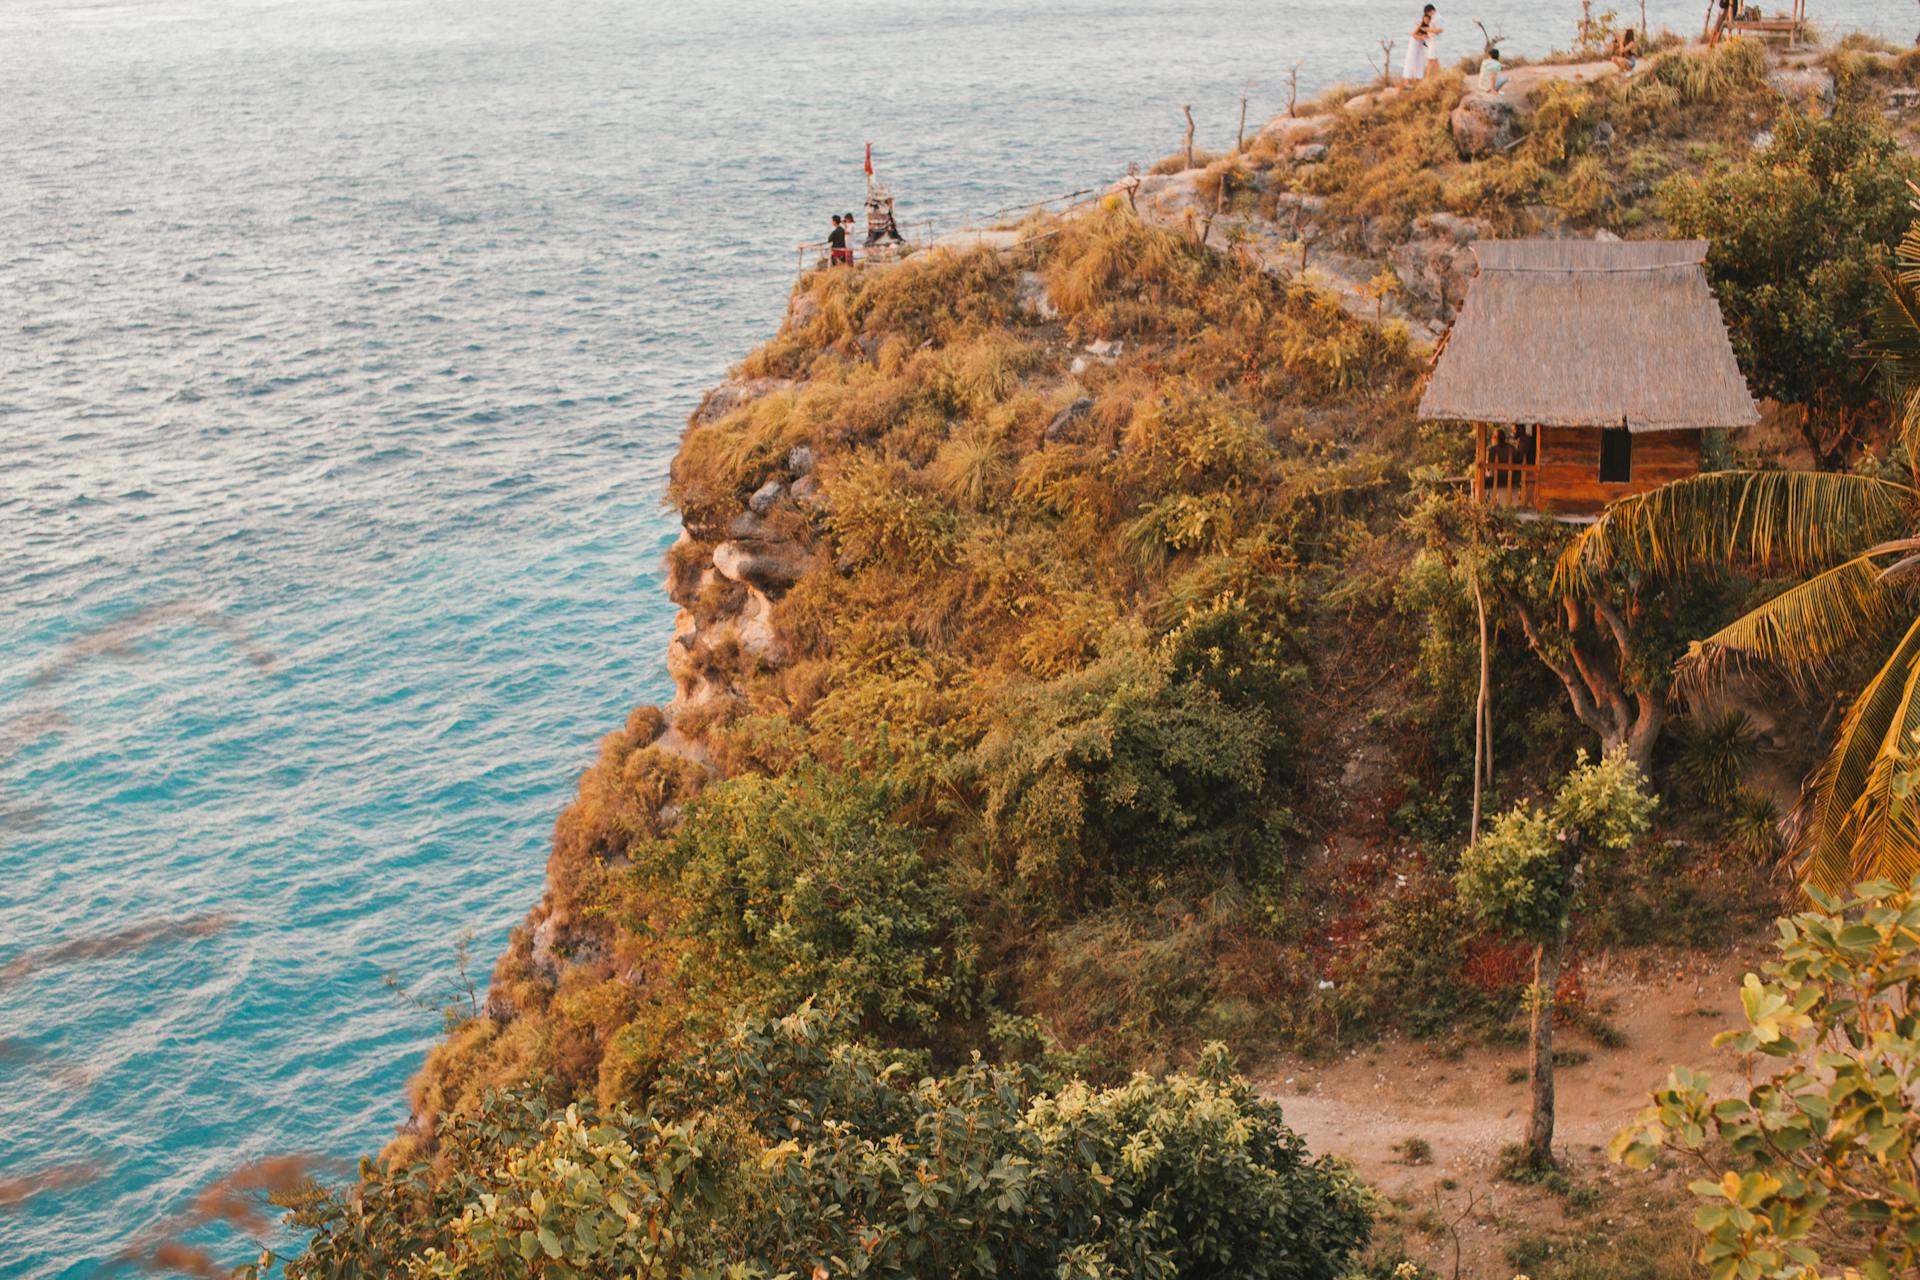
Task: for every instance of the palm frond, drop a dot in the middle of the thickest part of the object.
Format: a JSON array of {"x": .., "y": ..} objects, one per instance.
[
  {"x": 1805, "y": 628},
  {"x": 1854, "y": 820},
  {"x": 1896, "y": 332},
  {"x": 1788, "y": 522},
  {"x": 1908, "y": 549},
  {"x": 1896, "y": 326}
]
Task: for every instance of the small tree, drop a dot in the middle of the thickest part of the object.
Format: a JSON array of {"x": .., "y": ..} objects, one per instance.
[
  {"x": 1524, "y": 878},
  {"x": 1800, "y": 234},
  {"x": 1813, "y": 1171}
]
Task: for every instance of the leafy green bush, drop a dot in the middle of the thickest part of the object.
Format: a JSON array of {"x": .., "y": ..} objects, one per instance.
[
  {"x": 1815, "y": 1161},
  {"x": 1116, "y": 770},
  {"x": 807, "y": 885},
  {"x": 1799, "y": 235},
  {"x": 782, "y": 1150}
]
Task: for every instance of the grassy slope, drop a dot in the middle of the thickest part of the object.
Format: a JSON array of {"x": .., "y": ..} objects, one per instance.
[{"x": 1115, "y": 736}]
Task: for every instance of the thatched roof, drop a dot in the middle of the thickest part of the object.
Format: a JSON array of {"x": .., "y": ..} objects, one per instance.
[{"x": 1590, "y": 333}]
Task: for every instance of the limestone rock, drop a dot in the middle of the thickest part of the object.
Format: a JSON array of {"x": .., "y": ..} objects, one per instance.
[
  {"x": 806, "y": 490},
  {"x": 1485, "y": 123},
  {"x": 1459, "y": 229},
  {"x": 1035, "y": 301},
  {"x": 772, "y": 567},
  {"x": 545, "y": 934},
  {"x": 1810, "y": 86},
  {"x": 728, "y": 396},
  {"x": 1310, "y": 153},
  {"x": 1065, "y": 418},
  {"x": 680, "y": 650},
  {"x": 800, "y": 460},
  {"x": 1435, "y": 265},
  {"x": 753, "y": 630},
  {"x": 765, "y": 496},
  {"x": 1307, "y": 206},
  {"x": 1290, "y": 131}
]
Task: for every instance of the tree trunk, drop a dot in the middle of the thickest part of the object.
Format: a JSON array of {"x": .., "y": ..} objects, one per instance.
[
  {"x": 1479, "y": 715},
  {"x": 1546, "y": 978},
  {"x": 1625, "y": 717},
  {"x": 1548, "y": 958}
]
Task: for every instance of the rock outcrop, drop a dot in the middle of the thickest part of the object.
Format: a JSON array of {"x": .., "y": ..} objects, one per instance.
[
  {"x": 1436, "y": 264},
  {"x": 1810, "y": 87},
  {"x": 1484, "y": 124}
]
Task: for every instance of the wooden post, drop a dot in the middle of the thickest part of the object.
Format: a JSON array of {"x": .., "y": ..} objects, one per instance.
[
  {"x": 1481, "y": 765},
  {"x": 1240, "y": 139},
  {"x": 1188, "y": 113},
  {"x": 1479, "y": 462}
]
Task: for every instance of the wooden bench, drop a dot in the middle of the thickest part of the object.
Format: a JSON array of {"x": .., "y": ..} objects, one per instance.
[{"x": 1791, "y": 28}]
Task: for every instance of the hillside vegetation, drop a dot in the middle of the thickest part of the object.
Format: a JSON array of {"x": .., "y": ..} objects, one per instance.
[{"x": 1076, "y": 667}]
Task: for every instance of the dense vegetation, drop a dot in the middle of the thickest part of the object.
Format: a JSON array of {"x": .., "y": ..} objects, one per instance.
[
  {"x": 784, "y": 1149},
  {"x": 1100, "y": 683},
  {"x": 1815, "y": 1163}
]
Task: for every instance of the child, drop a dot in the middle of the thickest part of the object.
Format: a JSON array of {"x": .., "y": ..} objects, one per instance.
[{"x": 1491, "y": 78}]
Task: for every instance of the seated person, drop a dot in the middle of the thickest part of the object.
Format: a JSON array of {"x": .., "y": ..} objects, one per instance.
[
  {"x": 1492, "y": 78},
  {"x": 1625, "y": 51}
]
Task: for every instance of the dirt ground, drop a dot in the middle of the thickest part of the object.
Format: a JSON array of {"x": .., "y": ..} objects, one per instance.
[{"x": 1466, "y": 1104}]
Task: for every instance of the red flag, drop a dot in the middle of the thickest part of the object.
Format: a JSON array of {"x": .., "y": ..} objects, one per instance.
[{"x": 869, "y": 159}]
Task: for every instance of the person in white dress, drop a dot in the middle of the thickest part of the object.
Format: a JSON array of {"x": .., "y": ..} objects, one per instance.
[{"x": 1423, "y": 48}]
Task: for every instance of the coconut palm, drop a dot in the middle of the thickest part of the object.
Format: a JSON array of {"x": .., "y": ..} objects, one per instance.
[{"x": 1852, "y": 541}]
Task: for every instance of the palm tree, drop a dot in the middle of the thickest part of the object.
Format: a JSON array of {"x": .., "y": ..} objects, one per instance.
[{"x": 1853, "y": 543}]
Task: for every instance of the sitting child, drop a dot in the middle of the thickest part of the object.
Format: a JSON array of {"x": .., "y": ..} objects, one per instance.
[{"x": 1491, "y": 79}]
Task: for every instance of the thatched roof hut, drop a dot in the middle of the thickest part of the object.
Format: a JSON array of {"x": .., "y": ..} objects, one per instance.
[
  {"x": 1590, "y": 333},
  {"x": 1579, "y": 346}
]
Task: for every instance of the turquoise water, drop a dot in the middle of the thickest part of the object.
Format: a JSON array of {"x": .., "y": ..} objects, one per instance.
[{"x": 345, "y": 348}]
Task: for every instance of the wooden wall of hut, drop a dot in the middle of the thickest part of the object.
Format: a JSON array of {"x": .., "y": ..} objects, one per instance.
[{"x": 1569, "y": 477}]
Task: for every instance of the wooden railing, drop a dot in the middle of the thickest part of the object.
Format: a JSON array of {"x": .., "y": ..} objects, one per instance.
[
  {"x": 1501, "y": 477},
  {"x": 1507, "y": 484}
]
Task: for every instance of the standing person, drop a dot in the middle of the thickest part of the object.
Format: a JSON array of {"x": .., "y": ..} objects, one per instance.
[
  {"x": 837, "y": 252},
  {"x": 1492, "y": 79},
  {"x": 1721, "y": 22},
  {"x": 1422, "y": 45}
]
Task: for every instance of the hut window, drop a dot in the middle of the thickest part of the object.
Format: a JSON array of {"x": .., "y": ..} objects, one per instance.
[{"x": 1616, "y": 456}]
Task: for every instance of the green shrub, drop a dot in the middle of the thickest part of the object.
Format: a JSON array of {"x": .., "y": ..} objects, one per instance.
[
  {"x": 1713, "y": 753},
  {"x": 1815, "y": 1159},
  {"x": 808, "y": 886},
  {"x": 1799, "y": 235},
  {"x": 783, "y": 1151},
  {"x": 1116, "y": 770}
]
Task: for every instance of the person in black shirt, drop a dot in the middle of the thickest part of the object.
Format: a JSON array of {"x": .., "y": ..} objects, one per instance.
[
  {"x": 837, "y": 252},
  {"x": 1729, "y": 10}
]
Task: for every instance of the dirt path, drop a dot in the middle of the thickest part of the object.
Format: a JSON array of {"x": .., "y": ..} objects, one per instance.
[{"x": 1366, "y": 1106}]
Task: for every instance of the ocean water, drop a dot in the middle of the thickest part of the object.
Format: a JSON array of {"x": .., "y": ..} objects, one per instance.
[{"x": 344, "y": 345}]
